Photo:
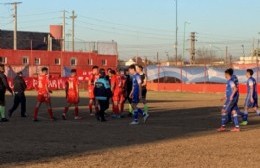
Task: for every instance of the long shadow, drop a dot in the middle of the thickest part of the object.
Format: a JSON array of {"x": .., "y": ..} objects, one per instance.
[{"x": 24, "y": 141}]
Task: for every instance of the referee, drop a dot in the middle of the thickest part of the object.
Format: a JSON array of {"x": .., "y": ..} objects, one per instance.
[{"x": 19, "y": 96}]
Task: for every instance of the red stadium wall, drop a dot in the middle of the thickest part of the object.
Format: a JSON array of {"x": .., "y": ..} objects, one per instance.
[
  {"x": 14, "y": 58},
  {"x": 194, "y": 88}
]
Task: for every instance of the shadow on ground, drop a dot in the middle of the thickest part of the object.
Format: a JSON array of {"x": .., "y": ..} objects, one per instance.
[{"x": 23, "y": 140}]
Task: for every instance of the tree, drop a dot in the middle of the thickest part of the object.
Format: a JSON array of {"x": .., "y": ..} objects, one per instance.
[{"x": 206, "y": 56}]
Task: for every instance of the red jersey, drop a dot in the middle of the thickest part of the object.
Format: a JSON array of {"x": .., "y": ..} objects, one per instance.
[
  {"x": 73, "y": 84},
  {"x": 114, "y": 82},
  {"x": 92, "y": 78},
  {"x": 72, "y": 90},
  {"x": 43, "y": 81}
]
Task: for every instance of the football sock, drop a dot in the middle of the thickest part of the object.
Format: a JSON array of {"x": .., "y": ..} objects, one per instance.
[
  {"x": 136, "y": 115},
  {"x": 235, "y": 118},
  {"x": 76, "y": 112},
  {"x": 50, "y": 113},
  {"x": 223, "y": 120},
  {"x": 35, "y": 115},
  {"x": 245, "y": 116},
  {"x": 145, "y": 108},
  {"x": 130, "y": 109},
  {"x": 90, "y": 107},
  {"x": 2, "y": 111},
  {"x": 65, "y": 110},
  {"x": 240, "y": 113},
  {"x": 229, "y": 117},
  {"x": 140, "y": 111}
]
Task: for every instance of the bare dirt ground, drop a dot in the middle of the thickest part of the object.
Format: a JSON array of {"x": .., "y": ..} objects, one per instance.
[{"x": 180, "y": 133}]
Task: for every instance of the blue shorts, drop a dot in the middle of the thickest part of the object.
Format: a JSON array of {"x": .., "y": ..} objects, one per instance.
[
  {"x": 135, "y": 99},
  {"x": 249, "y": 104},
  {"x": 229, "y": 106}
]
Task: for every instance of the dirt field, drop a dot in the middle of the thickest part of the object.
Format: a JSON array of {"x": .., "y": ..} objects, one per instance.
[{"x": 180, "y": 133}]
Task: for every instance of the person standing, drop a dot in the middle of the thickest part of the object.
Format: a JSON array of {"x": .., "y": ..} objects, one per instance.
[
  {"x": 43, "y": 94},
  {"x": 72, "y": 95},
  {"x": 3, "y": 87},
  {"x": 92, "y": 78},
  {"x": 102, "y": 93},
  {"x": 140, "y": 71},
  {"x": 19, "y": 96},
  {"x": 136, "y": 95}
]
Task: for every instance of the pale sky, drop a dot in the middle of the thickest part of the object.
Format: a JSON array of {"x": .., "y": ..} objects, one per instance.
[{"x": 146, "y": 26}]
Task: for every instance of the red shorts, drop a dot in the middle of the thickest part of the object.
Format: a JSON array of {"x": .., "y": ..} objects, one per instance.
[
  {"x": 118, "y": 97},
  {"x": 72, "y": 98},
  {"x": 44, "y": 98},
  {"x": 91, "y": 92}
]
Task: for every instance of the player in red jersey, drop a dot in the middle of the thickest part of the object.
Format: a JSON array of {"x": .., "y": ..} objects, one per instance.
[
  {"x": 92, "y": 78},
  {"x": 72, "y": 95},
  {"x": 117, "y": 88},
  {"x": 122, "y": 90},
  {"x": 43, "y": 94}
]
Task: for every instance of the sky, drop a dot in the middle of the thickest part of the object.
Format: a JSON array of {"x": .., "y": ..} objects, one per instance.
[{"x": 145, "y": 27}]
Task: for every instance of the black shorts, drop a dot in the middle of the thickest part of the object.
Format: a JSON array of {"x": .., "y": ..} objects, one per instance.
[
  {"x": 144, "y": 92},
  {"x": 2, "y": 98}
]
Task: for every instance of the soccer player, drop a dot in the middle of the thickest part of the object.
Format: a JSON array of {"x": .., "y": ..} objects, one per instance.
[
  {"x": 43, "y": 94},
  {"x": 136, "y": 95},
  {"x": 251, "y": 98},
  {"x": 72, "y": 95},
  {"x": 3, "y": 87},
  {"x": 19, "y": 96},
  {"x": 114, "y": 82},
  {"x": 129, "y": 86},
  {"x": 92, "y": 78},
  {"x": 102, "y": 93},
  {"x": 123, "y": 90},
  {"x": 118, "y": 90},
  {"x": 230, "y": 105},
  {"x": 235, "y": 80},
  {"x": 139, "y": 70}
]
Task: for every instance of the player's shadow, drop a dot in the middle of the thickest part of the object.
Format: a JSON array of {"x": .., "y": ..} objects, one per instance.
[{"x": 24, "y": 141}]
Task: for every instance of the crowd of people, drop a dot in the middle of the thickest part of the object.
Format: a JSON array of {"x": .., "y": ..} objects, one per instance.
[
  {"x": 230, "y": 109},
  {"x": 104, "y": 86}
]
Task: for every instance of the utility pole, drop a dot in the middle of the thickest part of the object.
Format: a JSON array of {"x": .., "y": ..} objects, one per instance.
[
  {"x": 226, "y": 55},
  {"x": 14, "y": 4},
  {"x": 64, "y": 31},
  {"x": 192, "y": 49},
  {"x": 73, "y": 17},
  {"x": 176, "y": 35}
]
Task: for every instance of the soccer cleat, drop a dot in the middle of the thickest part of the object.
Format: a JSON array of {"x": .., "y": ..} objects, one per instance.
[
  {"x": 77, "y": 118},
  {"x": 146, "y": 117},
  {"x": 236, "y": 129},
  {"x": 244, "y": 123},
  {"x": 134, "y": 123},
  {"x": 221, "y": 129}
]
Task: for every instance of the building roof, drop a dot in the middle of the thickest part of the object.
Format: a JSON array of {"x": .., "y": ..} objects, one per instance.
[{"x": 27, "y": 40}]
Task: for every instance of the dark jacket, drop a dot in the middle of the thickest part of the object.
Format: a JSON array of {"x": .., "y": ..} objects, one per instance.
[
  {"x": 4, "y": 83},
  {"x": 19, "y": 84}
]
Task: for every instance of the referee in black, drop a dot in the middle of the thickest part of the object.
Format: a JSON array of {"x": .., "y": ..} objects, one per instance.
[{"x": 19, "y": 96}]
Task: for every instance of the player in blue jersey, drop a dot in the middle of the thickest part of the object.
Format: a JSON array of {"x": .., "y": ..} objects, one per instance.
[
  {"x": 230, "y": 105},
  {"x": 235, "y": 80},
  {"x": 136, "y": 95},
  {"x": 251, "y": 98}
]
